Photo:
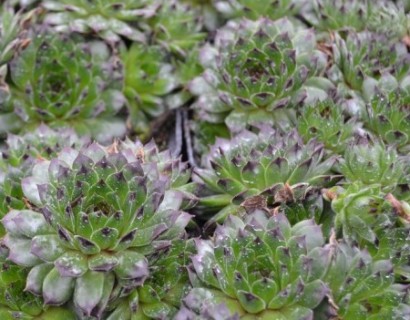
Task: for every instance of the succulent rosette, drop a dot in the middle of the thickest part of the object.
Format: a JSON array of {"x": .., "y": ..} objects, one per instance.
[
  {"x": 15, "y": 303},
  {"x": 10, "y": 33},
  {"x": 263, "y": 268},
  {"x": 361, "y": 211},
  {"x": 148, "y": 80},
  {"x": 110, "y": 19},
  {"x": 366, "y": 64},
  {"x": 20, "y": 156},
  {"x": 256, "y": 72},
  {"x": 12, "y": 40},
  {"x": 391, "y": 19},
  {"x": 177, "y": 26},
  {"x": 156, "y": 75},
  {"x": 101, "y": 211},
  {"x": 388, "y": 117},
  {"x": 361, "y": 288},
  {"x": 372, "y": 163},
  {"x": 381, "y": 16},
  {"x": 161, "y": 294},
  {"x": 326, "y": 122},
  {"x": 264, "y": 169},
  {"x": 64, "y": 82},
  {"x": 337, "y": 15},
  {"x": 393, "y": 245},
  {"x": 13, "y": 30},
  {"x": 181, "y": 191},
  {"x": 186, "y": 69},
  {"x": 272, "y": 9}
]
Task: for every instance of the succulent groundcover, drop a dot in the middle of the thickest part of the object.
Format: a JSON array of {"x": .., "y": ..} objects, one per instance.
[{"x": 205, "y": 160}]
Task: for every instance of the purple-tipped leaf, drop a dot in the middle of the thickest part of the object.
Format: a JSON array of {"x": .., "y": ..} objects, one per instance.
[
  {"x": 47, "y": 247},
  {"x": 71, "y": 264},
  {"x": 25, "y": 223},
  {"x": 88, "y": 291},
  {"x": 132, "y": 265},
  {"x": 20, "y": 251},
  {"x": 35, "y": 278},
  {"x": 57, "y": 290},
  {"x": 103, "y": 262}
]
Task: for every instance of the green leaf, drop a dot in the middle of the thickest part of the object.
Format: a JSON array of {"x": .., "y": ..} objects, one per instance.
[
  {"x": 72, "y": 264},
  {"x": 265, "y": 288},
  {"x": 88, "y": 291},
  {"x": 157, "y": 310},
  {"x": 36, "y": 276},
  {"x": 313, "y": 294},
  {"x": 57, "y": 290},
  {"x": 86, "y": 246},
  {"x": 132, "y": 265},
  {"x": 47, "y": 247},
  {"x": 250, "y": 302},
  {"x": 57, "y": 314},
  {"x": 105, "y": 238},
  {"x": 361, "y": 228}
]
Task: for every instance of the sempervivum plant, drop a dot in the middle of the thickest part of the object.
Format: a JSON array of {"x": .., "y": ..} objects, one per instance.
[
  {"x": 162, "y": 292},
  {"x": 10, "y": 32},
  {"x": 176, "y": 26},
  {"x": 361, "y": 288},
  {"x": 360, "y": 212},
  {"x": 21, "y": 154},
  {"x": 12, "y": 40},
  {"x": 272, "y": 9},
  {"x": 366, "y": 63},
  {"x": 394, "y": 245},
  {"x": 388, "y": 116},
  {"x": 373, "y": 163},
  {"x": 256, "y": 72},
  {"x": 328, "y": 15},
  {"x": 63, "y": 82},
  {"x": 263, "y": 268},
  {"x": 110, "y": 19},
  {"x": 16, "y": 303},
  {"x": 262, "y": 169},
  {"x": 390, "y": 19},
  {"x": 98, "y": 213},
  {"x": 326, "y": 122},
  {"x": 148, "y": 80},
  {"x": 180, "y": 190}
]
